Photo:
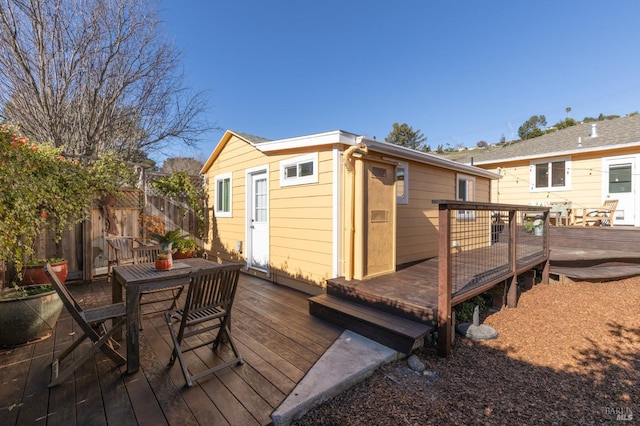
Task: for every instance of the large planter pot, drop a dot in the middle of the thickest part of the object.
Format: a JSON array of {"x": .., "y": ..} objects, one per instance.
[
  {"x": 28, "y": 319},
  {"x": 184, "y": 255},
  {"x": 34, "y": 274}
]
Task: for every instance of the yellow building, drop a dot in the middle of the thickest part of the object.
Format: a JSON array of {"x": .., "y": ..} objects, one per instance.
[
  {"x": 582, "y": 166},
  {"x": 302, "y": 210}
]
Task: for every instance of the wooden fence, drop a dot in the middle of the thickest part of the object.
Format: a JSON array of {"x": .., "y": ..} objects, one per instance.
[{"x": 84, "y": 246}]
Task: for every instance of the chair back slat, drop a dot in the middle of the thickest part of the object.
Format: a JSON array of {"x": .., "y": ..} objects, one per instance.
[
  {"x": 121, "y": 248},
  {"x": 146, "y": 254},
  {"x": 212, "y": 287},
  {"x": 69, "y": 302}
]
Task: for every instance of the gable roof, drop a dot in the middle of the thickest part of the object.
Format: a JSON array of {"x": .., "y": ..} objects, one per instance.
[
  {"x": 349, "y": 139},
  {"x": 617, "y": 132}
]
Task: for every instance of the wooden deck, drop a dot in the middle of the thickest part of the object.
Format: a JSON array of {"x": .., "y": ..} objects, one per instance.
[
  {"x": 594, "y": 253},
  {"x": 272, "y": 328},
  {"x": 412, "y": 291}
]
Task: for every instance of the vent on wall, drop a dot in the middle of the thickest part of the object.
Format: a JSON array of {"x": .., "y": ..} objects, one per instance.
[
  {"x": 379, "y": 216},
  {"x": 379, "y": 172}
]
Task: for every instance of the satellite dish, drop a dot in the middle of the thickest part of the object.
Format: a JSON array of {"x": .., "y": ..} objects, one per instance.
[{"x": 481, "y": 144}]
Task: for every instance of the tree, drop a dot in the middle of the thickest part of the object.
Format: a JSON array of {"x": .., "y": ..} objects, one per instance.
[
  {"x": 532, "y": 128},
  {"x": 187, "y": 165},
  {"x": 563, "y": 124},
  {"x": 94, "y": 77},
  {"x": 404, "y": 135}
]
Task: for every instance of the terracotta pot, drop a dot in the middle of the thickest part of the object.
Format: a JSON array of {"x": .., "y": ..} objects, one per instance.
[
  {"x": 163, "y": 264},
  {"x": 28, "y": 319},
  {"x": 184, "y": 255},
  {"x": 35, "y": 274}
]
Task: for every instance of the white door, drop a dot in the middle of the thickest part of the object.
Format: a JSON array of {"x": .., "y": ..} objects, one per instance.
[
  {"x": 618, "y": 184},
  {"x": 258, "y": 226}
]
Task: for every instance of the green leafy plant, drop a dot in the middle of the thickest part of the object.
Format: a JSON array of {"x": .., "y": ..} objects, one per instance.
[
  {"x": 19, "y": 292},
  {"x": 42, "y": 189},
  {"x": 169, "y": 239},
  {"x": 185, "y": 245},
  {"x": 464, "y": 311},
  {"x": 529, "y": 225},
  {"x": 40, "y": 262}
]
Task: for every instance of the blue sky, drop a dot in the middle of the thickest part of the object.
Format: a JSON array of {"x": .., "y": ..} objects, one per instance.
[{"x": 460, "y": 71}]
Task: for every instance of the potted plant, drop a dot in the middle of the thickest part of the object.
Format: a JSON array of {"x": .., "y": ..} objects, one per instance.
[
  {"x": 28, "y": 314},
  {"x": 164, "y": 261},
  {"x": 33, "y": 272},
  {"x": 166, "y": 241},
  {"x": 534, "y": 226},
  {"x": 185, "y": 248}
]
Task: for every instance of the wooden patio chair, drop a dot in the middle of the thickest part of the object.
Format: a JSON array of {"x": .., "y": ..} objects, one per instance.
[
  {"x": 599, "y": 216},
  {"x": 120, "y": 252},
  {"x": 92, "y": 323},
  {"x": 206, "y": 313},
  {"x": 560, "y": 213},
  {"x": 149, "y": 254}
]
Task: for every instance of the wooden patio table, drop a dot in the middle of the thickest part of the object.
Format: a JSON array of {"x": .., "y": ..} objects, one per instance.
[{"x": 143, "y": 277}]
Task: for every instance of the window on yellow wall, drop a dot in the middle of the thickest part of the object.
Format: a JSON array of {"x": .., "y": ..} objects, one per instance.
[
  {"x": 466, "y": 191},
  {"x": 402, "y": 183},
  {"x": 550, "y": 175},
  {"x": 223, "y": 195},
  {"x": 299, "y": 170}
]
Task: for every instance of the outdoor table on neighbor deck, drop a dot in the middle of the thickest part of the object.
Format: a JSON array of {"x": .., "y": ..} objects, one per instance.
[{"x": 143, "y": 277}]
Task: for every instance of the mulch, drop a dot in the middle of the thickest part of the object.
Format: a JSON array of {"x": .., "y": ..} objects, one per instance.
[{"x": 568, "y": 354}]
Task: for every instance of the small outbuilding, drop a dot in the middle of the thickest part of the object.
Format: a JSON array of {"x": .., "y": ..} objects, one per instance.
[{"x": 303, "y": 210}]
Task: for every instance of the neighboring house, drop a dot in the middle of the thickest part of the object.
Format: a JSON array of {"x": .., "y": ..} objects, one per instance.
[
  {"x": 302, "y": 210},
  {"x": 583, "y": 165}
]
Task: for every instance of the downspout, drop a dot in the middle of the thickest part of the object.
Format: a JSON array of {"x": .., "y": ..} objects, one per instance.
[{"x": 348, "y": 163}]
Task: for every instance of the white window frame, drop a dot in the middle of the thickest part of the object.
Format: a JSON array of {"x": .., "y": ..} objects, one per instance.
[
  {"x": 471, "y": 196},
  {"x": 218, "y": 211},
  {"x": 404, "y": 199},
  {"x": 548, "y": 162},
  {"x": 297, "y": 161}
]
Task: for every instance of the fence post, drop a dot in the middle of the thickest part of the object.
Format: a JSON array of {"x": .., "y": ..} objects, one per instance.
[{"x": 444, "y": 281}]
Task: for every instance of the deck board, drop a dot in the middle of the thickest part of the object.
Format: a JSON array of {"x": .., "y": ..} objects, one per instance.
[{"x": 276, "y": 336}]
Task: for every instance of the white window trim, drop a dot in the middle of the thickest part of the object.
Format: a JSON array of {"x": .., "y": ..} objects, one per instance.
[
  {"x": 217, "y": 179},
  {"x": 466, "y": 214},
  {"x": 567, "y": 171},
  {"x": 405, "y": 198},
  {"x": 295, "y": 161}
]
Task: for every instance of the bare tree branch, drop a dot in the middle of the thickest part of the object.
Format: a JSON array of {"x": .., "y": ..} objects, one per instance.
[{"x": 95, "y": 76}]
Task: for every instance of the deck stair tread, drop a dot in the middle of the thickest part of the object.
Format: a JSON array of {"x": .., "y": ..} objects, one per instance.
[
  {"x": 597, "y": 272},
  {"x": 594, "y": 253},
  {"x": 570, "y": 254},
  {"x": 390, "y": 330}
]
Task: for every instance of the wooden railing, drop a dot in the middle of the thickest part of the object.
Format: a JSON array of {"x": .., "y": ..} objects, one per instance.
[{"x": 484, "y": 244}]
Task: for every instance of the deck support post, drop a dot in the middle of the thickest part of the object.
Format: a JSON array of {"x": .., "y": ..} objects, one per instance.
[
  {"x": 445, "y": 333},
  {"x": 547, "y": 251},
  {"x": 544, "y": 279},
  {"x": 512, "y": 291}
]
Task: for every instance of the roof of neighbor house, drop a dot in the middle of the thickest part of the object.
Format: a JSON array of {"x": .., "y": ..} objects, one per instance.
[
  {"x": 346, "y": 138},
  {"x": 614, "y": 133}
]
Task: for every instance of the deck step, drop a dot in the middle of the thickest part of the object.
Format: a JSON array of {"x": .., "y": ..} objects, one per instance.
[
  {"x": 597, "y": 273},
  {"x": 390, "y": 330}
]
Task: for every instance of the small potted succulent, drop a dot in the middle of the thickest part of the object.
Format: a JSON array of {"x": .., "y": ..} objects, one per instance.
[
  {"x": 164, "y": 261},
  {"x": 167, "y": 242}
]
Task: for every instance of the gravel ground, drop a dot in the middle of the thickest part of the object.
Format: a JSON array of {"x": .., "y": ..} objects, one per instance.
[{"x": 568, "y": 354}]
